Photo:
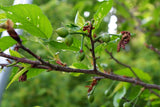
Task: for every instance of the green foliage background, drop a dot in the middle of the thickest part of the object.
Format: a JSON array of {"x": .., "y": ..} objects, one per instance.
[{"x": 60, "y": 89}]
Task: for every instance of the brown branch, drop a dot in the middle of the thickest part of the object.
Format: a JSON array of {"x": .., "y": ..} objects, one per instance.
[
  {"x": 35, "y": 66},
  {"x": 151, "y": 91},
  {"x": 24, "y": 60},
  {"x": 130, "y": 69},
  {"x": 31, "y": 53},
  {"x": 67, "y": 69},
  {"x": 122, "y": 64},
  {"x": 152, "y": 48},
  {"x": 92, "y": 49}
]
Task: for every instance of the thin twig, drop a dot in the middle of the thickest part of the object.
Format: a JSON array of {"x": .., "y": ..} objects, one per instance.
[
  {"x": 122, "y": 64},
  {"x": 34, "y": 55},
  {"x": 31, "y": 53},
  {"x": 151, "y": 91},
  {"x": 92, "y": 49},
  {"x": 130, "y": 69},
  {"x": 152, "y": 48}
]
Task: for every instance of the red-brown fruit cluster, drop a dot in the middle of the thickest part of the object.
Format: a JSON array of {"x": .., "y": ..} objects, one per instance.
[
  {"x": 126, "y": 36},
  {"x": 90, "y": 87},
  {"x": 88, "y": 28}
]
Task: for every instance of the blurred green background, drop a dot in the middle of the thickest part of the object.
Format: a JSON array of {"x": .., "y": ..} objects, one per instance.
[{"x": 55, "y": 89}]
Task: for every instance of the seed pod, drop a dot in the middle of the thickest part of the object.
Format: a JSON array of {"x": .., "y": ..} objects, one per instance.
[
  {"x": 80, "y": 55},
  {"x": 91, "y": 98},
  {"x": 62, "y": 32},
  {"x": 68, "y": 40},
  {"x": 127, "y": 104}
]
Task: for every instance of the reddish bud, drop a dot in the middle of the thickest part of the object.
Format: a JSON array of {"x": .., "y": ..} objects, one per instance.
[
  {"x": 94, "y": 35},
  {"x": 81, "y": 51}
]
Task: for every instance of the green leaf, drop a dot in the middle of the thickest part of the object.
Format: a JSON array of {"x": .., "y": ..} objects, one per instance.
[
  {"x": 15, "y": 53},
  {"x": 34, "y": 72},
  {"x": 100, "y": 48},
  {"x": 6, "y": 42},
  {"x": 118, "y": 97},
  {"x": 79, "y": 20},
  {"x": 18, "y": 75},
  {"x": 30, "y": 18},
  {"x": 2, "y": 20},
  {"x": 117, "y": 88},
  {"x": 108, "y": 90},
  {"x": 77, "y": 43},
  {"x": 80, "y": 66},
  {"x": 102, "y": 12},
  {"x": 126, "y": 71},
  {"x": 2, "y": 17},
  {"x": 112, "y": 46},
  {"x": 59, "y": 46},
  {"x": 75, "y": 74}
]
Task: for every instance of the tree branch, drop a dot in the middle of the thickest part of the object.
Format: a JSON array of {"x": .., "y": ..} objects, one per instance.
[
  {"x": 122, "y": 64},
  {"x": 50, "y": 67},
  {"x": 24, "y": 60},
  {"x": 130, "y": 69},
  {"x": 152, "y": 48},
  {"x": 68, "y": 70},
  {"x": 92, "y": 49}
]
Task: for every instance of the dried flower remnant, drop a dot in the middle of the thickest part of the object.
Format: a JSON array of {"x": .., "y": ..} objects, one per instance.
[
  {"x": 126, "y": 36},
  {"x": 23, "y": 77},
  {"x": 60, "y": 63},
  {"x": 90, "y": 87}
]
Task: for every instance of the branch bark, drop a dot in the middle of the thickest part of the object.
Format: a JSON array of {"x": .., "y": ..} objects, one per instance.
[{"x": 52, "y": 67}]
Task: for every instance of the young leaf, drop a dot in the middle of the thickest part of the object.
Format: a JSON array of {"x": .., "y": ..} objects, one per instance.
[
  {"x": 34, "y": 72},
  {"x": 118, "y": 97},
  {"x": 59, "y": 45},
  {"x": 79, "y": 20},
  {"x": 6, "y": 42},
  {"x": 30, "y": 18},
  {"x": 2, "y": 17},
  {"x": 102, "y": 12},
  {"x": 117, "y": 88},
  {"x": 15, "y": 53},
  {"x": 80, "y": 66},
  {"x": 18, "y": 75},
  {"x": 2, "y": 20}
]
